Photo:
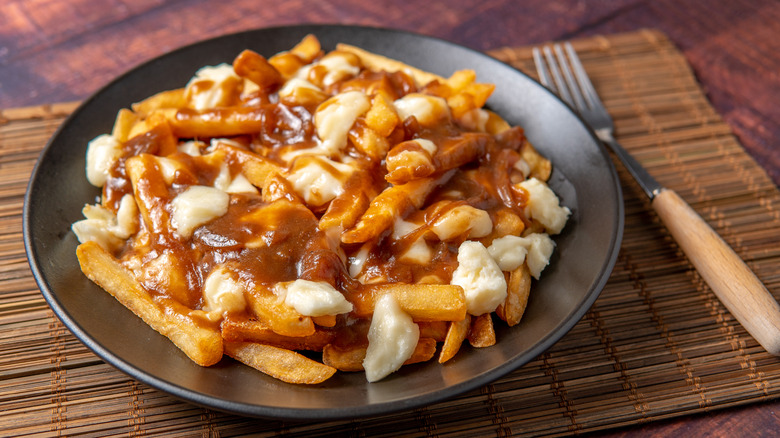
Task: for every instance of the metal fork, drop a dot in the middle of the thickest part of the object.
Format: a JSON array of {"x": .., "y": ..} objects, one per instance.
[{"x": 732, "y": 281}]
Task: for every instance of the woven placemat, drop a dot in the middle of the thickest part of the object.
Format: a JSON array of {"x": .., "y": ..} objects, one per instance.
[{"x": 657, "y": 343}]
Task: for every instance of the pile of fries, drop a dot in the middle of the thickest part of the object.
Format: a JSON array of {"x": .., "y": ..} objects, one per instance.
[{"x": 314, "y": 212}]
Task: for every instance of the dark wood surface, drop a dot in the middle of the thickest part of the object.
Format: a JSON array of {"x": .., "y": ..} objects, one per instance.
[{"x": 63, "y": 50}]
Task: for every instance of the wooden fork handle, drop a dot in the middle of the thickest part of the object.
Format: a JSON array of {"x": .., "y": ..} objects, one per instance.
[{"x": 737, "y": 287}]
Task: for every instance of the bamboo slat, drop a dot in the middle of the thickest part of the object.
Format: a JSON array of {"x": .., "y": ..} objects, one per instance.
[{"x": 657, "y": 344}]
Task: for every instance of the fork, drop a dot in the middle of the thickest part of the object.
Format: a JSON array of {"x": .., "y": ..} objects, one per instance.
[{"x": 732, "y": 281}]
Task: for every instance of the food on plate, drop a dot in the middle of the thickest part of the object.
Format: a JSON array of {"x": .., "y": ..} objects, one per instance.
[{"x": 315, "y": 212}]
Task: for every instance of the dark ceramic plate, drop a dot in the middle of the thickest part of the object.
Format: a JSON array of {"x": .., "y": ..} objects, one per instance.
[{"x": 583, "y": 177}]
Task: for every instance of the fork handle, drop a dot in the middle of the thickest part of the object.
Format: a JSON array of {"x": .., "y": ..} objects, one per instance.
[{"x": 728, "y": 276}]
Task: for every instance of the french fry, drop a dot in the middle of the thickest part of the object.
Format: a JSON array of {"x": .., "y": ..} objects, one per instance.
[
  {"x": 518, "y": 290},
  {"x": 217, "y": 122},
  {"x": 423, "y": 302},
  {"x": 125, "y": 119},
  {"x": 256, "y": 168},
  {"x": 393, "y": 202},
  {"x": 540, "y": 166},
  {"x": 281, "y": 318},
  {"x": 285, "y": 365},
  {"x": 436, "y": 330},
  {"x": 378, "y": 62},
  {"x": 201, "y": 343},
  {"x": 164, "y": 99},
  {"x": 351, "y": 359},
  {"x": 253, "y": 66},
  {"x": 482, "y": 334},
  {"x": 249, "y": 330},
  {"x": 456, "y": 334}
]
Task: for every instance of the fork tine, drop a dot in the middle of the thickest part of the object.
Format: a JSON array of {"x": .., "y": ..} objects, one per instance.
[
  {"x": 576, "y": 93},
  {"x": 586, "y": 85},
  {"x": 563, "y": 90},
  {"x": 542, "y": 71}
]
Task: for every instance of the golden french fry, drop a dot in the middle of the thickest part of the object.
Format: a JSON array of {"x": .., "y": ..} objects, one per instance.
[
  {"x": 281, "y": 318},
  {"x": 351, "y": 358},
  {"x": 540, "y": 166},
  {"x": 345, "y": 209},
  {"x": 277, "y": 187},
  {"x": 285, "y": 365},
  {"x": 125, "y": 119},
  {"x": 203, "y": 344},
  {"x": 436, "y": 330},
  {"x": 252, "y": 330},
  {"x": 164, "y": 99},
  {"x": 324, "y": 320},
  {"x": 344, "y": 359},
  {"x": 253, "y": 66},
  {"x": 456, "y": 334},
  {"x": 377, "y": 62},
  {"x": 256, "y": 169},
  {"x": 518, "y": 290},
  {"x": 217, "y": 122},
  {"x": 423, "y": 302},
  {"x": 368, "y": 141},
  {"x": 393, "y": 202},
  {"x": 308, "y": 48},
  {"x": 482, "y": 334},
  {"x": 381, "y": 117}
]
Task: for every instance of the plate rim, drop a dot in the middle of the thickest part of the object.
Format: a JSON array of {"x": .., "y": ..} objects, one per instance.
[{"x": 296, "y": 413}]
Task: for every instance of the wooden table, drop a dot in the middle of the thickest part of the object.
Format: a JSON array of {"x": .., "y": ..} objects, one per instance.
[{"x": 55, "y": 51}]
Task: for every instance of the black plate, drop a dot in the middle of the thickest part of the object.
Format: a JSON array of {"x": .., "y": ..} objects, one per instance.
[{"x": 583, "y": 177}]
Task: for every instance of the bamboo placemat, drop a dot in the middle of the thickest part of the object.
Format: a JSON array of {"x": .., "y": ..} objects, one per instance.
[{"x": 656, "y": 344}]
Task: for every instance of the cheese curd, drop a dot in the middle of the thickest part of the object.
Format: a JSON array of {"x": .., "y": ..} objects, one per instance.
[
  {"x": 215, "y": 86},
  {"x": 481, "y": 279},
  {"x": 428, "y": 110},
  {"x": 544, "y": 206},
  {"x": 313, "y": 298},
  {"x": 102, "y": 152},
  {"x": 509, "y": 252},
  {"x": 392, "y": 338},
  {"x": 333, "y": 120},
  {"x": 317, "y": 179},
  {"x": 109, "y": 230},
  {"x": 196, "y": 206},
  {"x": 463, "y": 220},
  {"x": 222, "y": 293}
]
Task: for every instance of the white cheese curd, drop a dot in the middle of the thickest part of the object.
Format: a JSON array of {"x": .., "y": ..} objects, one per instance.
[
  {"x": 509, "y": 251},
  {"x": 418, "y": 252},
  {"x": 428, "y": 110},
  {"x": 191, "y": 148},
  {"x": 544, "y": 206},
  {"x": 427, "y": 145},
  {"x": 236, "y": 184},
  {"x": 212, "y": 86},
  {"x": 462, "y": 220},
  {"x": 540, "y": 249},
  {"x": 222, "y": 293},
  {"x": 392, "y": 338},
  {"x": 337, "y": 67},
  {"x": 357, "y": 261},
  {"x": 289, "y": 88},
  {"x": 102, "y": 152},
  {"x": 335, "y": 117},
  {"x": 196, "y": 206},
  {"x": 318, "y": 179},
  {"x": 105, "y": 228},
  {"x": 481, "y": 279},
  {"x": 313, "y": 298},
  {"x": 168, "y": 168},
  {"x": 240, "y": 184}
]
